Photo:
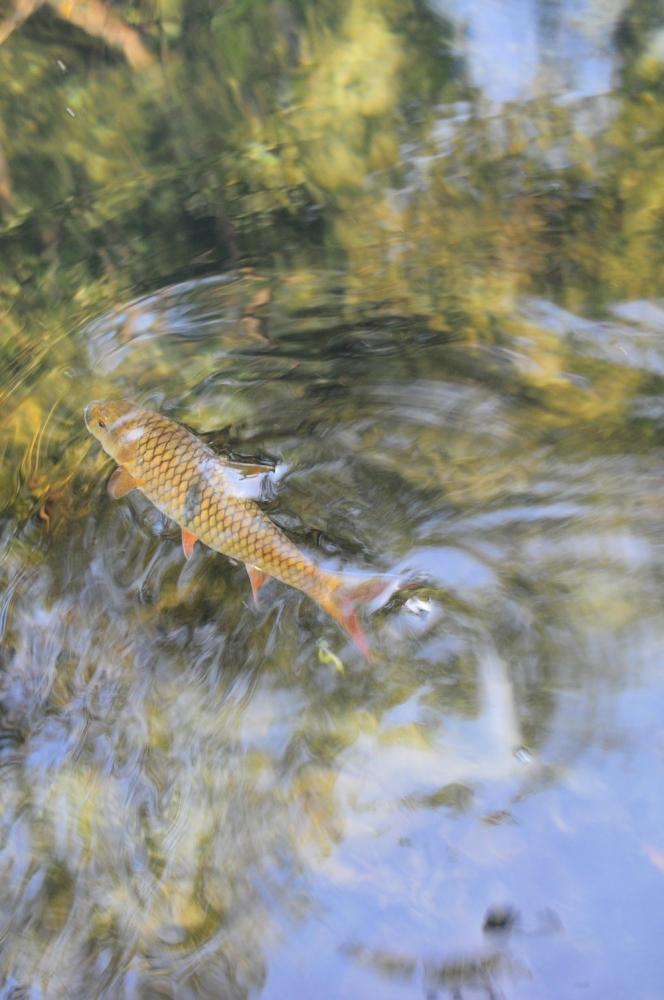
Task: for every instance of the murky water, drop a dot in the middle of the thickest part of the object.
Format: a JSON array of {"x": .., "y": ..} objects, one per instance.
[{"x": 456, "y": 365}]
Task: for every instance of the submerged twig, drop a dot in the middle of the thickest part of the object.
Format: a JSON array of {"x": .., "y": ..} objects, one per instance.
[
  {"x": 6, "y": 198},
  {"x": 21, "y": 12},
  {"x": 93, "y": 17}
]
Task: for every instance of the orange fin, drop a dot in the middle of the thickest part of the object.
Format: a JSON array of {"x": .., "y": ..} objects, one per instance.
[
  {"x": 342, "y": 609},
  {"x": 247, "y": 469},
  {"x": 189, "y": 539},
  {"x": 351, "y": 623},
  {"x": 343, "y": 603},
  {"x": 367, "y": 590},
  {"x": 120, "y": 484},
  {"x": 256, "y": 579}
]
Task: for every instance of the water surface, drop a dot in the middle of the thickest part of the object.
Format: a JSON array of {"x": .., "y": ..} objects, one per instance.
[{"x": 436, "y": 305}]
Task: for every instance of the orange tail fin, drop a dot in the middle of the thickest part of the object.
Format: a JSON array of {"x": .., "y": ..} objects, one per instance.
[
  {"x": 341, "y": 608},
  {"x": 342, "y": 605}
]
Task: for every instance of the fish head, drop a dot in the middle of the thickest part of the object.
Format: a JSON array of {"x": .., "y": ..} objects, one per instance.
[{"x": 117, "y": 424}]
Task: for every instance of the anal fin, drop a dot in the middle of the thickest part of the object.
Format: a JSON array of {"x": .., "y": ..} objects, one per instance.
[
  {"x": 189, "y": 539},
  {"x": 256, "y": 579}
]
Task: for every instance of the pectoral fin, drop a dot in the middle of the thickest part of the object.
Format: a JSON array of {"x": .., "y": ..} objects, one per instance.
[
  {"x": 189, "y": 539},
  {"x": 120, "y": 484},
  {"x": 256, "y": 579},
  {"x": 250, "y": 468}
]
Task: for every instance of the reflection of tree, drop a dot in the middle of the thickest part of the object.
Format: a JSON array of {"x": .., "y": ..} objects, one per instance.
[
  {"x": 480, "y": 973},
  {"x": 327, "y": 125},
  {"x": 256, "y": 115},
  {"x": 549, "y": 22},
  {"x": 164, "y": 847},
  {"x": 639, "y": 42}
]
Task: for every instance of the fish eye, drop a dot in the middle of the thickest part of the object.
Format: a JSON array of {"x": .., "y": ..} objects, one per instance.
[{"x": 101, "y": 423}]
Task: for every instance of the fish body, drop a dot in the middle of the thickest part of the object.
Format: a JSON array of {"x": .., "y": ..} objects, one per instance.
[{"x": 186, "y": 480}]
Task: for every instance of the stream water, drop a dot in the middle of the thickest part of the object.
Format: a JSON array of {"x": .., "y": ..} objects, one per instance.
[{"x": 204, "y": 798}]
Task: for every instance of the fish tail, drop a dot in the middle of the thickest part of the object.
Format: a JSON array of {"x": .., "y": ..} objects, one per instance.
[
  {"x": 347, "y": 596},
  {"x": 367, "y": 590},
  {"x": 343, "y": 609}
]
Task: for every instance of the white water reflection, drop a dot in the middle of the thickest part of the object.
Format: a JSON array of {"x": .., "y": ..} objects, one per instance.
[
  {"x": 516, "y": 48},
  {"x": 412, "y": 754}
]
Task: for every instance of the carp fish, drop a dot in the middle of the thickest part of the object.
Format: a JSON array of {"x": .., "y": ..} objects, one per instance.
[{"x": 194, "y": 486}]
